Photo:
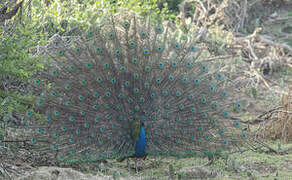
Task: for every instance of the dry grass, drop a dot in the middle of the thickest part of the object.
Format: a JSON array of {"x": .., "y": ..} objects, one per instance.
[{"x": 280, "y": 125}]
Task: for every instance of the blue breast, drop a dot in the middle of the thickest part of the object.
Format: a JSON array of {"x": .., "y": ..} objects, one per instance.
[{"x": 140, "y": 144}]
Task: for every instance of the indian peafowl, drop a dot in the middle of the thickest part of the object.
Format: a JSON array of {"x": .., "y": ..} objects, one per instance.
[{"x": 131, "y": 87}]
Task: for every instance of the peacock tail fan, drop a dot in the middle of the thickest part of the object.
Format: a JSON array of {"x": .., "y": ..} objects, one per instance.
[{"x": 96, "y": 91}]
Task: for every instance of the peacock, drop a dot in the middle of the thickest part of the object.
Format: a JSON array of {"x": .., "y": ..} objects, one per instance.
[{"x": 131, "y": 87}]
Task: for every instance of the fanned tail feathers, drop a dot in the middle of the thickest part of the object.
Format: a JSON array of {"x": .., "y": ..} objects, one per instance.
[{"x": 127, "y": 70}]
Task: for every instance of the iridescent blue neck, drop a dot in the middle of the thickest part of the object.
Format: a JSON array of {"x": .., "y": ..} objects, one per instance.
[{"x": 140, "y": 144}]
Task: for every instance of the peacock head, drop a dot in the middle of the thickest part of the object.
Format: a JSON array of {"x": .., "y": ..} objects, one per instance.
[{"x": 143, "y": 120}]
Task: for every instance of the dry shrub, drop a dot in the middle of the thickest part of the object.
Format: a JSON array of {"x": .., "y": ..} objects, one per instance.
[{"x": 279, "y": 125}]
